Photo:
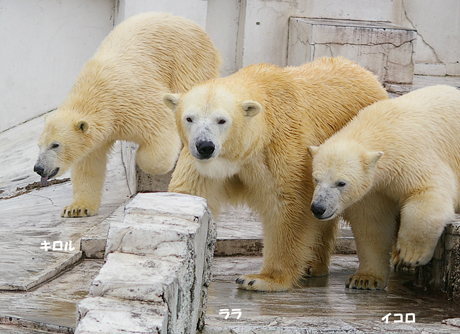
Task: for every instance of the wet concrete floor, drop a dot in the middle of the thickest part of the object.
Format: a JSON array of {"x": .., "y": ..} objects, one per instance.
[{"x": 327, "y": 297}]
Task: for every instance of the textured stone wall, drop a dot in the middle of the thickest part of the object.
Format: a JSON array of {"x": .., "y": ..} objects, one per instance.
[
  {"x": 383, "y": 48},
  {"x": 442, "y": 273},
  {"x": 157, "y": 270}
]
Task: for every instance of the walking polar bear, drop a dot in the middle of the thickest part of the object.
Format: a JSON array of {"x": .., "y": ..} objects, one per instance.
[
  {"x": 118, "y": 96},
  {"x": 397, "y": 158},
  {"x": 245, "y": 141}
]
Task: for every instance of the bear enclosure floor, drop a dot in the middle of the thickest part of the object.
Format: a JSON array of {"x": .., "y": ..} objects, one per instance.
[{"x": 323, "y": 304}]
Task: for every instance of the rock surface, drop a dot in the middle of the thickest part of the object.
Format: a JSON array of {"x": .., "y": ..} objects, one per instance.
[
  {"x": 160, "y": 253},
  {"x": 384, "y": 48},
  {"x": 442, "y": 273}
]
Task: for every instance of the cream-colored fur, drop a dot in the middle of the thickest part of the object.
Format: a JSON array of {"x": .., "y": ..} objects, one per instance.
[
  {"x": 397, "y": 160},
  {"x": 255, "y": 126},
  {"x": 118, "y": 96}
]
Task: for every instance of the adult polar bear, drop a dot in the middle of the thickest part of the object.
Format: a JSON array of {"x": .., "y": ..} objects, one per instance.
[
  {"x": 118, "y": 96},
  {"x": 245, "y": 141},
  {"x": 397, "y": 158}
]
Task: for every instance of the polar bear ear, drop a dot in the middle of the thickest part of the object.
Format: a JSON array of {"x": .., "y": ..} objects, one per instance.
[
  {"x": 371, "y": 158},
  {"x": 82, "y": 126},
  {"x": 251, "y": 108},
  {"x": 171, "y": 100},
  {"x": 312, "y": 150}
]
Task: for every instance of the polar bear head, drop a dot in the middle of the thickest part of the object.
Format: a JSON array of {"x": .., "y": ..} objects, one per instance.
[
  {"x": 217, "y": 126},
  {"x": 66, "y": 138},
  {"x": 343, "y": 173}
]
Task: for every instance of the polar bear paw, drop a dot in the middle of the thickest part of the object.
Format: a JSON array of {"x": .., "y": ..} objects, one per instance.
[
  {"x": 365, "y": 282},
  {"x": 317, "y": 270},
  {"x": 76, "y": 210},
  {"x": 412, "y": 255},
  {"x": 261, "y": 282}
]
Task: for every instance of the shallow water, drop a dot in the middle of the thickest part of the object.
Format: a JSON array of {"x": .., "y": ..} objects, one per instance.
[{"x": 328, "y": 297}]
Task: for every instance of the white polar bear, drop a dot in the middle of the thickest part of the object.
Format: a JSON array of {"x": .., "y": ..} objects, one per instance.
[
  {"x": 118, "y": 96},
  {"x": 396, "y": 160},
  {"x": 245, "y": 142}
]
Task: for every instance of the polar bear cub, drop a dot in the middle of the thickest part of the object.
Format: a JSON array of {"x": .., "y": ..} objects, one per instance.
[
  {"x": 118, "y": 96},
  {"x": 397, "y": 158}
]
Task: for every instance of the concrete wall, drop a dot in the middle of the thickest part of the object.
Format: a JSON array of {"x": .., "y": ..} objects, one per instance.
[
  {"x": 438, "y": 27},
  {"x": 194, "y": 10},
  {"x": 266, "y": 22},
  {"x": 45, "y": 43}
]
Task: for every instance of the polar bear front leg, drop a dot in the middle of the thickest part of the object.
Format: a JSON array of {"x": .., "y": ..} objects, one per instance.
[
  {"x": 423, "y": 218},
  {"x": 322, "y": 248},
  {"x": 373, "y": 224},
  {"x": 287, "y": 245},
  {"x": 87, "y": 177}
]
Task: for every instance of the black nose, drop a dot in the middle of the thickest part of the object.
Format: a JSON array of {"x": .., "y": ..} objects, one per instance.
[
  {"x": 205, "y": 149},
  {"x": 39, "y": 169},
  {"x": 317, "y": 210}
]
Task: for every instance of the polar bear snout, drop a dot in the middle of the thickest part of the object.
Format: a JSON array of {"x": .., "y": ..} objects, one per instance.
[
  {"x": 321, "y": 211},
  {"x": 39, "y": 169},
  {"x": 205, "y": 149},
  {"x": 43, "y": 172},
  {"x": 318, "y": 210},
  {"x": 325, "y": 203}
]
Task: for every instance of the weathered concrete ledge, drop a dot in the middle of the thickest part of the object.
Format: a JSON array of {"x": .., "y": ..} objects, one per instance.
[
  {"x": 94, "y": 241},
  {"x": 158, "y": 267},
  {"x": 442, "y": 273},
  {"x": 239, "y": 233},
  {"x": 385, "y": 49}
]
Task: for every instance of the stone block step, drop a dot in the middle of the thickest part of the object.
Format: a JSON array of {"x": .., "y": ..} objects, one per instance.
[
  {"x": 133, "y": 277},
  {"x": 421, "y": 81},
  {"x": 160, "y": 252},
  {"x": 115, "y": 316},
  {"x": 239, "y": 233}
]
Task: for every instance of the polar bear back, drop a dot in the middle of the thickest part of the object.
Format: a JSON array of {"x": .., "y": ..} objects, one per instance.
[
  {"x": 181, "y": 49},
  {"x": 419, "y": 134}
]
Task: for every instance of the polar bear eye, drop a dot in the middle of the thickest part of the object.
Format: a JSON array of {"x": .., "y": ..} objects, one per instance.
[
  {"x": 189, "y": 119},
  {"x": 341, "y": 184},
  {"x": 222, "y": 121},
  {"x": 54, "y": 145}
]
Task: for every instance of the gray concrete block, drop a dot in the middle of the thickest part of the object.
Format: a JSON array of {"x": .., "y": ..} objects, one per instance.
[
  {"x": 442, "y": 273},
  {"x": 138, "y": 180},
  {"x": 134, "y": 277},
  {"x": 384, "y": 48},
  {"x": 148, "y": 182},
  {"x": 93, "y": 243},
  {"x": 161, "y": 253},
  {"x": 113, "y": 316}
]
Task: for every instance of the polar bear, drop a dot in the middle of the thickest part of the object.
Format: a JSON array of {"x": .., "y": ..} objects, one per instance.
[
  {"x": 398, "y": 160},
  {"x": 245, "y": 141},
  {"x": 118, "y": 96}
]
